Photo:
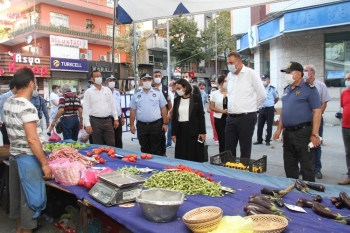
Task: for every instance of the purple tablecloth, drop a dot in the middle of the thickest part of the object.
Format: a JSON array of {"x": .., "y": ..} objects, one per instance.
[{"x": 231, "y": 204}]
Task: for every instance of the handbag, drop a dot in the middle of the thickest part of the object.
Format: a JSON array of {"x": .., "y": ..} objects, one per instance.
[{"x": 58, "y": 127}]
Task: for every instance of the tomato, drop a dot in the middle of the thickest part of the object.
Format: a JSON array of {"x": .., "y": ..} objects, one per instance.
[
  {"x": 112, "y": 151},
  {"x": 113, "y": 156},
  {"x": 97, "y": 157},
  {"x": 88, "y": 154},
  {"x": 125, "y": 159},
  {"x": 201, "y": 174},
  {"x": 143, "y": 156},
  {"x": 132, "y": 159},
  {"x": 80, "y": 182},
  {"x": 210, "y": 174},
  {"x": 134, "y": 156},
  {"x": 127, "y": 156},
  {"x": 88, "y": 184},
  {"x": 149, "y": 156},
  {"x": 101, "y": 160}
]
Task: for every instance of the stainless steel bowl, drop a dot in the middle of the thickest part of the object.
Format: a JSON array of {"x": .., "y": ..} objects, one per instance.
[{"x": 160, "y": 205}]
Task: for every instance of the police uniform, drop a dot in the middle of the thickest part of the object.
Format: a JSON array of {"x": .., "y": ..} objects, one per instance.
[
  {"x": 118, "y": 132},
  {"x": 297, "y": 117},
  {"x": 266, "y": 114},
  {"x": 149, "y": 119}
]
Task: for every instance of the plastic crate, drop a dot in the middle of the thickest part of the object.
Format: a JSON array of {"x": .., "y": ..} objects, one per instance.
[{"x": 251, "y": 165}]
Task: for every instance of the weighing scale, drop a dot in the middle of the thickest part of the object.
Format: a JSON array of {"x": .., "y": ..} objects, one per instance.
[{"x": 117, "y": 188}]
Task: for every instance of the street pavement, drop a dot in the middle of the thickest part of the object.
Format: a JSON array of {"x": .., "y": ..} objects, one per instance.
[{"x": 333, "y": 162}]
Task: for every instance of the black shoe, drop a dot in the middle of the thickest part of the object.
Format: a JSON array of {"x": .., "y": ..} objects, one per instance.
[
  {"x": 268, "y": 143},
  {"x": 318, "y": 175},
  {"x": 257, "y": 143}
]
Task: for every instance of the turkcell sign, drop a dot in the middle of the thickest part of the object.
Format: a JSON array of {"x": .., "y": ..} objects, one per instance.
[{"x": 63, "y": 64}]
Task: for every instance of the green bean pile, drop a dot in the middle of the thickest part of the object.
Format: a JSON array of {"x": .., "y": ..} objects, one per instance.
[
  {"x": 131, "y": 169},
  {"x": 186, "y": 182}
]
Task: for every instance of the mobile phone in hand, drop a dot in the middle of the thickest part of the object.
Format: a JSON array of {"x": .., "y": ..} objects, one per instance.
[{"x": 200, "y": 140}]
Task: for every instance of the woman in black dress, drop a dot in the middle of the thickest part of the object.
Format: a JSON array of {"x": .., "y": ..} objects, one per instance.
[{"x": 188, "y": 123}]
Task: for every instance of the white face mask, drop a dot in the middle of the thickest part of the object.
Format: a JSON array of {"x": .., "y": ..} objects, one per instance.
[
  {"x": 289, "y": 79},
  {"x": 111, "y": 84},
  {"x": 157, "y": 80},
  {"x": 147, "y": 85},
  {"x": 98, "y": 80},
  {"x": 306, "y": 75},
  {"x": 264, "y": 83},
  {"x": 347, "y": 84},
  {"x": 180, "y": 92},
  {"x": 225, "y": 85},
  {"x": 35, "y": 93},
  {"x": 232, "y": 68}
]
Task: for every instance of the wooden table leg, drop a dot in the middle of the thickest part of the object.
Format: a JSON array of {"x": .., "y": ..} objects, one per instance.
[{"x": 83, "y": 217}]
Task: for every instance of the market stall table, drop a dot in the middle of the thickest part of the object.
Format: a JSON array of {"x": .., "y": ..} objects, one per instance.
[{"x": 231, "y": 204}]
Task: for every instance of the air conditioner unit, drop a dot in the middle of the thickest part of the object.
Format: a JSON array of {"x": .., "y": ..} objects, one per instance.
[
  {"x": 103, "y": 58},
  {"x": 83, "y": 56},
  {"x": 151, "y": 59}
]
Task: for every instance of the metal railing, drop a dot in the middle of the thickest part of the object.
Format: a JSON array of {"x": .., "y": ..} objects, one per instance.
[{"x": 71, "y": 30}]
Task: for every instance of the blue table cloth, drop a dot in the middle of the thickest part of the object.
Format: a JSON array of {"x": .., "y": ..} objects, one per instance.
[{"x": 244, "y": 183}]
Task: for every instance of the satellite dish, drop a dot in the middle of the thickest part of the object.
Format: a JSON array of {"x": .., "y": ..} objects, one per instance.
[{"x": 29, "y": 39}]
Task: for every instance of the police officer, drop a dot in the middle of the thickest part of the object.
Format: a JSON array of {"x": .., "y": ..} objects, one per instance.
[
  {"x": 148, "y": 105},
  {"x": 300, "y": 119},
  {"x": 118, "y": 132},
  {"x": 157, "y": 83},
  {"x": 266, "y": 113}
]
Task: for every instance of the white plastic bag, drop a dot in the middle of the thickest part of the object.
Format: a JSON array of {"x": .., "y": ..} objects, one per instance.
[{"x": 83, "y": 136}]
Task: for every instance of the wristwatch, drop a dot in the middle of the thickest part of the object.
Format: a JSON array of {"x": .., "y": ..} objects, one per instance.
[
  {"x": 316, "y": 135},
  {"x": 165, "y": 123}
]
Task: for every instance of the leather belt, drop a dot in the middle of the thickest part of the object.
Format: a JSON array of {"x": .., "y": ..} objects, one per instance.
[
  {"x": 149, "y": 123},
  {"x": 73, "y": 115},
  {"x": 241, "y": 114},
  {"x": 101, "y": 118},
  {"x": 297, "y": 127},
  {"x": 269, "y": 107}
]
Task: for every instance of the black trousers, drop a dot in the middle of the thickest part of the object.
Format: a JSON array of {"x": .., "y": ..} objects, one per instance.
[
  {"x": 265, "y": 115},
  {"x": 5, "y": 137},
  {"x": 220, "y": 125},
  {"x": 102, "y": 131},
  {"x": 118, "y": 132},
  {"x": 240, "y": 129},
  {"x": 163, "y": 143},
  {"x": 150, "y": 136},
  {"x": 295, "y": 150}
]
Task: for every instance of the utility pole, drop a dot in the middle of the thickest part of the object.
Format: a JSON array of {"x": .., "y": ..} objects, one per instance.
[
  {"x": 135, "y": 44},
  {"x": 216, "y": 49},
  {"x": 113, "y": 36},
  {"x": 168, "y": 50}
]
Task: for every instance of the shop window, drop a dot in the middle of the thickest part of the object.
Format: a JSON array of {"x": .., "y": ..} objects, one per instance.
[
  {"x": 337, "y": 58},
  {"x": 57, "y": 19},
  {"x": 265, "y": 58}
]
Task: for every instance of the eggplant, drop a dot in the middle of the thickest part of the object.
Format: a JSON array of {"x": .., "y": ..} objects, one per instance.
[
  {"x": 315, "y": 186},
  {"x": 319, "y": 209},
  {"x": 303, "y": 202},
  {"x": 266, "y": 204},
  {"x": 278, "y": 200},
  {"x": 280, "y": 192},
  {"x": 260, "y": 196},
  {"x": 252, "y": 212},
  {"x": 252, "y": 206},
  {"x": 318, "y": 198},
  {"x": 267, "y": 191},
  {"x": 345, "y": 199},
  {"x": 335, "y": 199},
  {"x": 339, "y": 205},
  {"x": 301, "y": 186}
]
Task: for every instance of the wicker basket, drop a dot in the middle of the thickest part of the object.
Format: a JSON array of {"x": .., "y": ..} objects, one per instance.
[
  {"x": 268, "y": 223},
  {"x": 202, "y": 214},
  {"x": 204, "y": 227}
]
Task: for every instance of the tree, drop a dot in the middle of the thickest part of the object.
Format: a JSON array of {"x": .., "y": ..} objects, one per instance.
[
  {"x": 185, "y": 45},
  {"x": 225, "y": 41}
]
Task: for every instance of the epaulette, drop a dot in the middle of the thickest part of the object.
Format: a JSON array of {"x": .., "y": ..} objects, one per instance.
[
  {"x": 138, "y": 90},
  {"x": 273, "y": 87},
  {"x": 156, "y": 89},
  {"x": 310, "y": 85},
  {"x": 285, "y": 87}
]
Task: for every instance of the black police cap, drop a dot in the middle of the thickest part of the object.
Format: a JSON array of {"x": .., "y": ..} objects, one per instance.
[{"x": 293, "y": 66}]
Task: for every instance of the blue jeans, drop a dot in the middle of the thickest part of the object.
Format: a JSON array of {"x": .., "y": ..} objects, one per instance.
[
  {"x": 70, "y": 127},
  {"x": 168, "y": 137},
  {"x": 318, "y": 150}
]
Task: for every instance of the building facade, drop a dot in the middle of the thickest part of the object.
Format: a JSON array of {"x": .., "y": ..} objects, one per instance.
[{"x": 309, "y": 32}]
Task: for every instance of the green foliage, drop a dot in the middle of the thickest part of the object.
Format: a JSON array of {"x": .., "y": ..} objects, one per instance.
[
  {"x": 225, "y": 41},
  {"x": 185, "y": 45}
]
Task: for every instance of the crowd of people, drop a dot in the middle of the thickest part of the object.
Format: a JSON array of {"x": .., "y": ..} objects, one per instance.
[{"x": 162, "y": 115}]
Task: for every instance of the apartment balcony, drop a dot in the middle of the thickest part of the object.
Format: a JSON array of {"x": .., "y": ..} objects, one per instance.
[
  {"x": 156, "y": 43},
  {"x": 44, "y": 29}
]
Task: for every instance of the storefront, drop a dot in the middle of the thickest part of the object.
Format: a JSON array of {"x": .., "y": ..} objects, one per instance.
[
  {"x": 11, "y": 62},
  {"x": 69, "y": 71}
]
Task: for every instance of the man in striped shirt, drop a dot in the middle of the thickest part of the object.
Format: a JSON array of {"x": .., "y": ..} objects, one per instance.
[{"x": 70, "y": 109}]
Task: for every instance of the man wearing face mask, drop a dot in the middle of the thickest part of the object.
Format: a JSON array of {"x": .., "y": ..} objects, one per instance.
[
  {"x": 54, "y": 98},
  {"x": 266, "y": 113},
  {"x": 246, "y": 95},
  {"x": 40, "y": 105},
  {"x": 98, "y": 106},
  {"x": 148, "y": 105},
  {"x": 309, "y": 77},
  {"x": 345, "y": 104},
  {"x": 300, "y": 118},
  {"x": 157, "y": 83},
  {"x": 118, "y": 132},
  {"x": 186, "y": 75}
]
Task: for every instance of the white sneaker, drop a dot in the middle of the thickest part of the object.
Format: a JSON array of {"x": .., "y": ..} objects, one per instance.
[{"x": 216, "y": 143}]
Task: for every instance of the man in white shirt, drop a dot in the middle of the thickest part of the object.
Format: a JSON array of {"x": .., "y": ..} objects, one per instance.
[
  {"x": 99, "y": 106},
  {"x": 246, "y": 94},
  {"x": 3, "y": 98},
  {"x": 54, "y": 99}
]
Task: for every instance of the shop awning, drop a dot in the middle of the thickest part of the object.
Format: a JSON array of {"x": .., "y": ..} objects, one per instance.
[
  {"x": 131, "y": 11},
  {"x": 68, "y": 75}
]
